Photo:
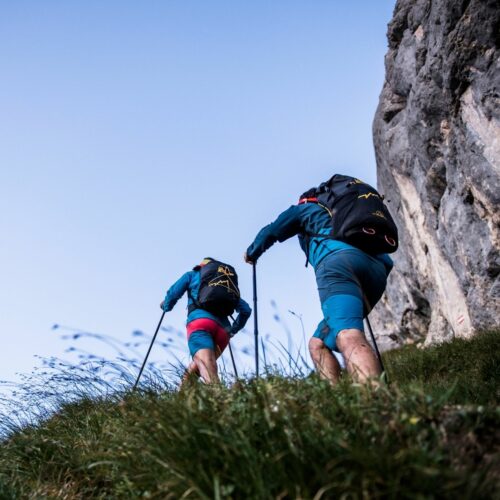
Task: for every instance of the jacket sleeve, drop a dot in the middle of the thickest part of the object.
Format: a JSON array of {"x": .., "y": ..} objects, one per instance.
[
  {"x": 387, "y": 261},
  {"x": 176, "y": 291},
  {"x": 244, "y": 311},
  {"x": 287, "y": 224}
]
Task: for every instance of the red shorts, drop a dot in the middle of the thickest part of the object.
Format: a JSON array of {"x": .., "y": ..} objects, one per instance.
[{"x": 205, "y": 333}]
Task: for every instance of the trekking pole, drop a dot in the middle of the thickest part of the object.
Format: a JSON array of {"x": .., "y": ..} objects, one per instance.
[
  {"x": 232, "y": 359},
  {"x": 149, "y": 350},
  {"x": 255, "y": 319},
  {"x": 376, "y": 347},
  {"x": 231, "y": 351}
]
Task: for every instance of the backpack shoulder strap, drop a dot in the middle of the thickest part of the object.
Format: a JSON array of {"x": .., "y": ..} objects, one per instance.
[
  {"x": 194, "y": 303},
  {"x": 308, "y": 235},
  {"x": 326, "y": 208}
]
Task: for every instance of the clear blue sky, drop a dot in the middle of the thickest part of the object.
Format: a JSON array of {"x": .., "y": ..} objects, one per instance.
[{"x": 139, "y": 137}]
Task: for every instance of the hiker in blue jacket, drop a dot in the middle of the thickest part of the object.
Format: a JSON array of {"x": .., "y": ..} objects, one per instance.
[
  {"x": 350, "y": 282},
  {"x": 208, "y": 332}
]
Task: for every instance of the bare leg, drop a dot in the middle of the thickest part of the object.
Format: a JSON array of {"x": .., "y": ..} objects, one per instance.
[
  {"x": 190, "y": 373},
  {"x": 205, "y": 361},
  {"x": 324, "y": 361},
  {"x": 360, "y": 359}
]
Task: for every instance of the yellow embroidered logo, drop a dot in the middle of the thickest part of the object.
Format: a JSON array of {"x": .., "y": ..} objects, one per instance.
[
  {"x": 225, "y": 270},
  {"x": 367, "y": 195},
  {"x": 221, "y": 282},
  {"x": 224, "y": 280},
  {"x": 378, "y": 213}
]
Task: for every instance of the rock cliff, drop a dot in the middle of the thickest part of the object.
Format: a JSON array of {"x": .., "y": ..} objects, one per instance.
[{"x": 437, "y": 144}]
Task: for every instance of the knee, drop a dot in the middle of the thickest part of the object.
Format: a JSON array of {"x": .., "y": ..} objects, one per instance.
[
  {"x": 316, "y": 348},
  {"x": 350, "y": 340},
  {"x": 204, "y": 357}
]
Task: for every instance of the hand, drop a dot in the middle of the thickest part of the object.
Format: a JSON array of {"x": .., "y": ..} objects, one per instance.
[
  {"x": 247, "y": 259},
  {"x": 231, "y": 331},
  {"x": 162, "y": 304}
]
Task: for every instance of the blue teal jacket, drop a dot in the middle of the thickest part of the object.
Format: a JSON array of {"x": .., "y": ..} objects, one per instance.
[
  {"x": 308, "y": 218},
  {"x": 190, "y": 282}
]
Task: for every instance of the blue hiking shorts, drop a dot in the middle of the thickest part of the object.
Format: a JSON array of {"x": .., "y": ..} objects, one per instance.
[
  {"x": 350, "y": 283},
  {"x": 205, "y": 333}
]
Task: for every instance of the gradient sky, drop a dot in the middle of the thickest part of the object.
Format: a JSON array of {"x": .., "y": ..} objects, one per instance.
[{"x": 139, "y": 137}]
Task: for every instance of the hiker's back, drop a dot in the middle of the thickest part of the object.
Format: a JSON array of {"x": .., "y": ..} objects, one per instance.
[
  {"x": 342, "y": 214},
  {"x": 218, "y": 291},
  {"x": 315, "y": 219},
  {"x": 349, "y": 215},
  {"x": 359, "y": 215}
]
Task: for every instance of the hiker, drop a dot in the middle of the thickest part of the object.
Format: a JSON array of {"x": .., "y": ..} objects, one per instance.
[
  {"x": 213, "y": 295},
  {"x": 345, "y": 230}
]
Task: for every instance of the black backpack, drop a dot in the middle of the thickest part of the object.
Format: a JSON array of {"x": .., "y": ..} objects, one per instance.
[
  {"x": 219, "y": 293},
  {"x": 359, "y": 215}
]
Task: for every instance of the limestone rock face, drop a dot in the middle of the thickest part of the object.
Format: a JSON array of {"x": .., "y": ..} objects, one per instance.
[{"x": 437, "y": 144}]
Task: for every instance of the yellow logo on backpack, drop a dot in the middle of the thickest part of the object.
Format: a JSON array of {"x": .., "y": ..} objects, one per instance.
[
  {"x": 225, "y": 270},
  {"x": 367, "y": 195},
  {"x": 224, "y": 279}
]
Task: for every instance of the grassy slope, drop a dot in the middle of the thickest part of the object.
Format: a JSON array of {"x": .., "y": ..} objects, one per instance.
[{"x": 434, "y": 432}]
